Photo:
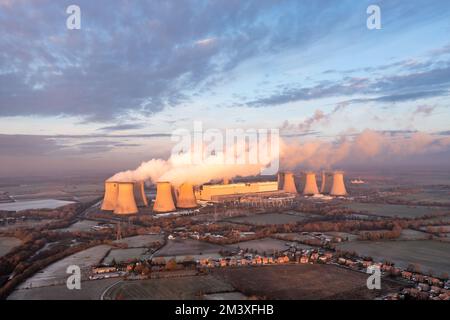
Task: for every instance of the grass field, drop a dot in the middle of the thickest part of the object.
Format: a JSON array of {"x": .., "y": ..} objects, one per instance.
[
  {"x": 183, "y": 247},
  {"x": 269, "y": 219},
  {"x": 267, "y": 245},
  {"x": 302, "y": 282},
  {"x": 83, "y": 225},
  {"x": 181, "y": 288},
  {"x": 140, "y": 241},
  {"x": 391, "y": 210},
  {"x": 7, "y": 243},
  {"x": 125, "y": 255},
  {"x": 427, "y": 254},
  {"x": 56, "y": 273},
  {"x": 90, "y": 290}
]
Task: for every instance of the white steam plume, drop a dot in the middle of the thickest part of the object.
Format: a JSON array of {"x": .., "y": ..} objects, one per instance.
[{"x": 366, "y": 147}]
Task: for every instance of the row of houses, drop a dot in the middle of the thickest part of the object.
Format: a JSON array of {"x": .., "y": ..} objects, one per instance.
[{"x": 237, "y": 261}]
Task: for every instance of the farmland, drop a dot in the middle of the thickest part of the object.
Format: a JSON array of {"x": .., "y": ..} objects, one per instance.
[
  {"x": 389, "y": 210},
  {"x": 427, "y": 254},
  {"x": 90, "y": 290},
  {"x": 181, "y": 288},
  {"x": 56, "y": 272},
  {"x": 270, "y": 219},
  {"x": 7, "y": 243},
  {"x": 188, "y": 247},
  {"x": 301, "y": 282}
]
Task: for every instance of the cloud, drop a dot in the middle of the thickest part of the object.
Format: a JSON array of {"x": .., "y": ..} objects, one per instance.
[
  {"x": 365, "y": 148},
  {"x": 140, "y": 57},
  {"x": 121, "y": 127},
  {"x": 387, "y": 89}
]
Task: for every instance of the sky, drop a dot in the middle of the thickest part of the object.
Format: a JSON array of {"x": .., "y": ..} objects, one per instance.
[{"x": 109, "y": 96}]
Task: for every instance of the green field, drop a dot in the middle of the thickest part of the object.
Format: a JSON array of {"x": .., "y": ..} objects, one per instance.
[
  {"x": 268, "y": 245},
  {"x": 270, "y": 219},
  {"x": 178, "y": 288},
  {"x": 90, "y": 290},
  {"x": 7, "y": 243},
  {"x": 183, "y": 247},
  {"x": 301, "y": 282},
  {"x": 55, "y": 273},
  {"x": 427, "y": 254},
  {"x": 391, "y": 210},
  {"x": 125, "y": 255}
]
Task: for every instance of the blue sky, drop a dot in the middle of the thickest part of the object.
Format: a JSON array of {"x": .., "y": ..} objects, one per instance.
[{"x": 136, "y": 71}]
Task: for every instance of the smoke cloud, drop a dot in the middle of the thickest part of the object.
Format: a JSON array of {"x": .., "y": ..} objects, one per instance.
[
  {"x": 244, "y": 160},
  {"x": 366, "y": 147}
]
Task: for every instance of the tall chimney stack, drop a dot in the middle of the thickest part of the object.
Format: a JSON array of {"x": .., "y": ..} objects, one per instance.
[
  {"x": 186, "y": 197},
  {"x": 289, "y": 183},
  {"x": 310, "y": 184},
  {"x": 139, "y": 194},
  {"x": 164, "y": 199},
  {"x": 125, "y": 199},
  {"x": 338, "y": 188},
  {"x": 327, "y": 181},
  {"x": 110, "y": 198}
]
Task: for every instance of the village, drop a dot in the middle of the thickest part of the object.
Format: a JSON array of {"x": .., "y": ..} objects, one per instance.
[{"x": 416, "y": 286}]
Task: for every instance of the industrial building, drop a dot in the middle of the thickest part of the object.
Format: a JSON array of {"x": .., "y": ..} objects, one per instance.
[
  {"x": 126, "y": 197},
  {"x": 211, "y": 192}
]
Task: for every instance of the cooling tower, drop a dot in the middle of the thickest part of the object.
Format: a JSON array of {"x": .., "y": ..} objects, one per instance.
[
  {"x": 110, "y": 198},
  {"x": 226, "y": 181},
  {"x": 338, "y": 188},
  {"x": 280, "y": 180},
  {"x": 310, "y": 184},
  {"x": 327, "y": 181},
  {"x": 125, "y": 199},
  {"x": 139, "y": 194},
  {"x": 164, "y": 199},
  {"x": 186, "y": 197},
  {"x": 289, "y": 183}
]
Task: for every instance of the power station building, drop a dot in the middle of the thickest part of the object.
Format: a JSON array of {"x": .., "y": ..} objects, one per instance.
[
  {"x": 126, "y": 197},
  {"x": 214, "y": 191}
]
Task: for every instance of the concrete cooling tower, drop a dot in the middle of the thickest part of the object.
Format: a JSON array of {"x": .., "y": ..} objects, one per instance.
[
  {"x": 139, "y": 194},
  {"x": 110, "y": 198},
  {"x": 327, "y": 182},
  {"x": 289, "y": 183},
  {"x": 310, "y": 184},
  {"x": 164, "y": 199},
  {"x": 338, "y": 187},
  {"x": 125, "y": 199},
  {"x": 280, "y": 179},
  {"x": 186, "y": 197}
]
